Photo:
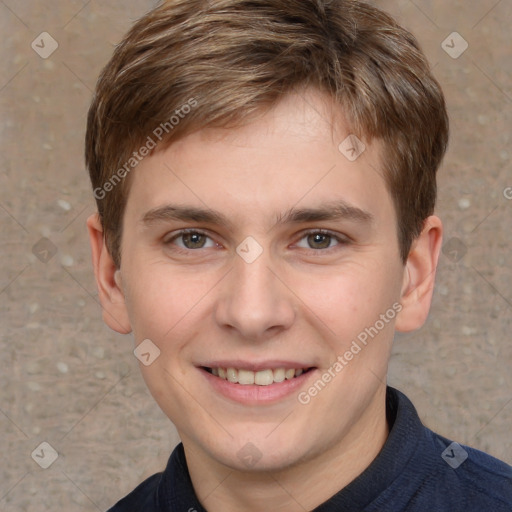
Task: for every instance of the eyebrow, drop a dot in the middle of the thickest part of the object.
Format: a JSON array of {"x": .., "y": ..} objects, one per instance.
[
  {"x": 184, "y": 213},
  {"x": 335, "y": 210},
  {"x": 331, "y": 211}
]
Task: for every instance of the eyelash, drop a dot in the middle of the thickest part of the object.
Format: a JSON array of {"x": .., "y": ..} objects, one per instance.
[
  {"x": 181, "y": 233},
  {"x": 341, "y": 240}
]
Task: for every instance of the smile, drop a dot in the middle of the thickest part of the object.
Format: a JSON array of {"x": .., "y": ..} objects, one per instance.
[
  {"x": 260, "y": 378},
  {"x": 259, "y": 385}
]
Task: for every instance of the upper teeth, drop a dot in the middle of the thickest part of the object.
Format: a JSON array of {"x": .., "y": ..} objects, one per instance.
[{"x": 261, "y": 378}]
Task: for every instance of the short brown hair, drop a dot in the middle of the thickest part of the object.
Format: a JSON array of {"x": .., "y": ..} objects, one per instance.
[{"x": 219, "y": 61}]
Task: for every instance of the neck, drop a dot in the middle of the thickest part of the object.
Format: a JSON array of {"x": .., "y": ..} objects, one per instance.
[{"x": 303, "y": 486}]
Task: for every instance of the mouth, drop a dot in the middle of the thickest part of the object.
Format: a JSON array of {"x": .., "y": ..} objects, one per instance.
[{"x": 264, "y": 377}]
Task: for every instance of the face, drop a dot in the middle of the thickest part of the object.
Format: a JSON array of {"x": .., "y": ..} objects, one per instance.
[{"x": 263, "y": 252}]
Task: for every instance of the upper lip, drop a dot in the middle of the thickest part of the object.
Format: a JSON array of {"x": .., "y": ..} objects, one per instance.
[{"x": 256, "y": 366}]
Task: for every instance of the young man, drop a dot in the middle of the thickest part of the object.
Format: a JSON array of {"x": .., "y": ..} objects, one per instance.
[{"x": 265, "y": 179}]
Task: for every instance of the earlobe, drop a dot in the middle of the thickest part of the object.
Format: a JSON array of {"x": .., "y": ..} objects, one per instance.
[
  {"x": 108, "y": 279},
  {"x": 419, "y": 276}
]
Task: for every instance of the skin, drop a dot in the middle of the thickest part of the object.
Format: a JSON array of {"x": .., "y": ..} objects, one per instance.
[{"x": 294, "y": 302}]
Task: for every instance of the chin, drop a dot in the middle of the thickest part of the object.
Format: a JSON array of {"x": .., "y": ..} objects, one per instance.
[{"x": 259, "y": 452}]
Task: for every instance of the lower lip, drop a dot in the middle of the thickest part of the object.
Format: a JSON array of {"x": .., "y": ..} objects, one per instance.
[{"x": 252, "y": 394}]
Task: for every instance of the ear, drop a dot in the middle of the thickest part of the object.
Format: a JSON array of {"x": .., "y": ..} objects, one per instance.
[
  {"x": 108, "y": 279},
  {"x": 419, "y": 276}
]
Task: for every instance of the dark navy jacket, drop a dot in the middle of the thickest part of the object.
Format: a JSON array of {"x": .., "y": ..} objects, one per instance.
[{"x": 416, "y": 471}]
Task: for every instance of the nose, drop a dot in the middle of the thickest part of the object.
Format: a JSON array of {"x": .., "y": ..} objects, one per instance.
[{"x": 254, "y": 301}]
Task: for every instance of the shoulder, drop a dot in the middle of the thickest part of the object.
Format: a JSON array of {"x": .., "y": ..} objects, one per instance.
[
  {"x": 486, "y": 480},
  {"x": 470, "y": 479},
  {"x": 142, "y": 498},
  {"x": 434, "y": 473}
]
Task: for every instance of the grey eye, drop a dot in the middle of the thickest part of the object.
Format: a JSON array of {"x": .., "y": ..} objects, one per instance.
[
  {"x": 318, "y": 240},
  {"x": 192, "y": 240}
]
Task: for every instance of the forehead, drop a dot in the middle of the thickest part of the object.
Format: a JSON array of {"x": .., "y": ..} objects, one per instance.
[{"x": 299, "y": 153}]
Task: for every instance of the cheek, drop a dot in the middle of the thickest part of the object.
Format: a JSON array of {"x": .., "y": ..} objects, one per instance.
[
  {"x": 347, "y": 301},
  {"x": 160, "y": 301}
]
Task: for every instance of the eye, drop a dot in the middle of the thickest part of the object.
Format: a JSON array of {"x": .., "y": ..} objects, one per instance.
[
  {"x": 319, "y": 240},
  {"x": 191, "y": 240}
]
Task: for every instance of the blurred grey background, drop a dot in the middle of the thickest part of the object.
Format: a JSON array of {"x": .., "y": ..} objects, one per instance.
[{"x": 68, "y": 381}]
